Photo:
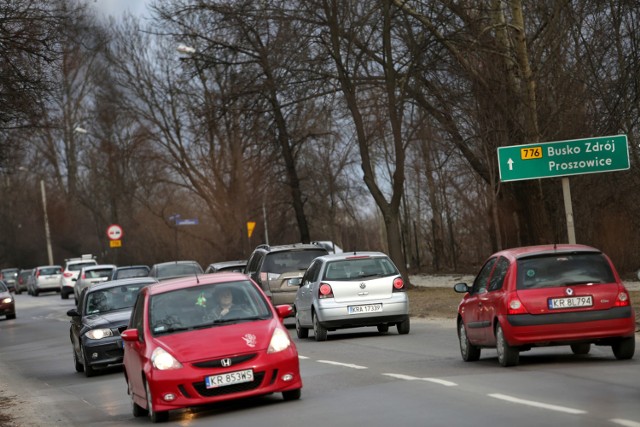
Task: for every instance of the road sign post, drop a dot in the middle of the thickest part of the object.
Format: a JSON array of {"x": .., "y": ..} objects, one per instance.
[{"x": 563, "y": 159}]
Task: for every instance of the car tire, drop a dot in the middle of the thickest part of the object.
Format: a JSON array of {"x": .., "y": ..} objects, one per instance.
[
  {"x": 507, "y": 355},
  {"x": 582, "y": 348},
  {"x": 404, "y": 327},
  {"x": 11, "y": 316},
  {"x": 468, "y": 351},
  {"x": 292, "y": 394},
  {"x": 154, "y": 416},
  {"x": 383, "y": 328},
  {"x": 624, "y": 348},
  {"x": 36, "y": 292},
  {"x": 319, "y": 331},
  {"x": 78, "y": 366},
  {"x": 64, "y": 295},
  {"x": 88, "y": 369},
  {"x": 18, "y": 291},
  {"x": 136, "y": 410},
  {"x": 301, "y": 332}
]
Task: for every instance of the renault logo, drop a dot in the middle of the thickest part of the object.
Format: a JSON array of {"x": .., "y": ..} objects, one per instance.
[
  {"x": 225, "y": 362},
  {"x": 569, "y": 291}
]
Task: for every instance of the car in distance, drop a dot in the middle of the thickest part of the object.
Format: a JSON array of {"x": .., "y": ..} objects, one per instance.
[
  {"x": 7, "y": 302},
  {"x": 274, "y": 268},
  {"x": 175, "y": 269},
  {"x": 169, "y": 365},
  {"x": 216, "y": 267},
  {"x": 23, "y": 280},
  {"x": 102, "y": 314},
  {"x": 9, "y": 275},
  {"x": 45, "y": 278},
  {"x": 71, "y": 270},
  {"x": 128, "y": 271},
  {"x": 545, "y": 296},
  {"x": 90, "y": 275},
  {"x": 350, "y": 290}
]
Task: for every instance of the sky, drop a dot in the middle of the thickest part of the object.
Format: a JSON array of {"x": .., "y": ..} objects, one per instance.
[{"x": 117, "y": 7}]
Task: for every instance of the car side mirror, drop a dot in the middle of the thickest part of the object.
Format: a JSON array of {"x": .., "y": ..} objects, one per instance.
[
  {"x": 129, "y": 335},
  {"x": 284, "y": 311},
  {"x": 461, "y": 288},
  {"x": 73, "y": 313}
]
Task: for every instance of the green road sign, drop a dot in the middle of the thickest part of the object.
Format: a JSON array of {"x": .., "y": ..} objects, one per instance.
[{"x": 562, "y": 158}]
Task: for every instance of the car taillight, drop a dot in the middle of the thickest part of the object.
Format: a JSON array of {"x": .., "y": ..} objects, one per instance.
[
  {"x": 84, "y": 276},
  {"x": 325, "y": 291},
  {"x": 515, "y": 306},
  {"x": 38, "y": 273},
  {"x": 398, "y": 284},
  {"x": 264, "y": 277},
  {"x": 623, "y": 299},
  {"x": 68, "y": 274}
]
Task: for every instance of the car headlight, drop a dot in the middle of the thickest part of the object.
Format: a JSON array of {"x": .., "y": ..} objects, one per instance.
[
  {"x": 98, "y": 334},
  {"x": 163, "y": 361},
  {"x": 279, "y": 341},
  {"x": 7, "y": 300}
]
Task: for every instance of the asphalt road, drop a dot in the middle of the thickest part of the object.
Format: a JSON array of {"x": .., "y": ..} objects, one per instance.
[{"x": 355, "y": 378}]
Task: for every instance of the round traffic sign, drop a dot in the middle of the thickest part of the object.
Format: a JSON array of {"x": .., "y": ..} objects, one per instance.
[{"x": 114, "y": 232}]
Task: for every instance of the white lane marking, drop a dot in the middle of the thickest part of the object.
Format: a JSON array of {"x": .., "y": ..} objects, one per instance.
[
  {"x": 431, "y": 380},
  {"x": 346, "y": 365},
  {"x": 439, "y": 381},
  {"x": 625, "y": 423},
  {"x": 302, "y": 357},
  {"x": 537, "y": 404},
  {"x": 402, "y": 377}
]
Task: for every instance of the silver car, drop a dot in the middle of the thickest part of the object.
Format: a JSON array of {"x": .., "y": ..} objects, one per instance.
[
  {"x": 90, "y": 275},
  {"x": 45, "y": 278},
  {"x": 351, "y": 290}
]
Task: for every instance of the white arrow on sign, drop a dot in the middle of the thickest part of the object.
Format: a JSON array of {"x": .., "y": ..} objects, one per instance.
[{"x": 510, "y": 161}]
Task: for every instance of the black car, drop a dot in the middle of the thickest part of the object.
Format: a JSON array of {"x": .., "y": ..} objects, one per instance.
[{"x": 103, "y": 312}]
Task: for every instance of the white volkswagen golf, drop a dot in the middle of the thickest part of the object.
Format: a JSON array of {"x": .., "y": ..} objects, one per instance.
[{"x": 351, "y": 290}]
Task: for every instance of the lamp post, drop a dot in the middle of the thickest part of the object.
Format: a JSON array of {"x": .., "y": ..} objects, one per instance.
[{"x": 47, "y": 233}]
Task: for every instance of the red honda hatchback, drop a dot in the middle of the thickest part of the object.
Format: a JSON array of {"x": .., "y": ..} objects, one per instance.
[
  {"x": 204, "y": 339},
  {"x": 545, "y": 296}
]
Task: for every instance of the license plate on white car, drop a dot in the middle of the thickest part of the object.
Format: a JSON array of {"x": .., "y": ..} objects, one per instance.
[
  {"x": 570, "y": 302},
  {"x": 229, "y": 378},
  {"x": 368, "y": 308}
]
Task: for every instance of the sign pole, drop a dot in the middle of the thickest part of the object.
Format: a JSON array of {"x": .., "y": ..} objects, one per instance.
[{"x": 568, "y": 209}]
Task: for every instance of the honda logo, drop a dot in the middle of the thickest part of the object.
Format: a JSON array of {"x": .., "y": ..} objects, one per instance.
[{"x": 225, "y": 362}]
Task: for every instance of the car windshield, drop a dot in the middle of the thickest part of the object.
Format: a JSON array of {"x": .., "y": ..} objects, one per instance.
[
  {"x": 112, "y": 299},
  {"x": 563, "y": 270},
  {"x": 359, "y": 268},
  {"x": 127, "y": 273},
  {"x": 7, "y": 274},
  {"x": 286, "y": 261},
  {"x": 206, "y": 306}
]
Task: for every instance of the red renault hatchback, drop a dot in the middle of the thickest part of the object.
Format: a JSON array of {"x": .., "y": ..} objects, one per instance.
[
  {"x": 545, "y": 296},
  {"x": 204, "y": 339}
]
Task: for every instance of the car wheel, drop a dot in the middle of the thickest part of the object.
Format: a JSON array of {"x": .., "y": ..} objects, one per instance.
[
  {"x": 79, "y": 366},
  {"x": 404, "y": 327},
  {"x": 36, "y": 292},
  {"x": 507, "y": 355},
  {"x": 11, "y": 316},
  {"x": 291, "y": 394},
  {"x": 137, "y": 410},
  {"x": 383, "y": 328},
  {"x": 319, "y": 331},
  {"x": 469, "y": 352},
  {"x": 64, "y": 295},
  {"x": 624, "y": 348},
  {"x": 18, "y": 291},
  {"x": 583, "y": 348},
  {"x": 300, "y": 331},
  {"x": 88, "y": 369},
  {"x": 155, "y": 417}
]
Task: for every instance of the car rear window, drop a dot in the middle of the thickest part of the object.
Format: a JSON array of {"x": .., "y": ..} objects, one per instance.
[
  {"x": 178, "y": 270},
  {"x": 50, "y": 271},
  {"x": 79, "y": 266},
  {"x": 131, "y": 272},
  {"x": 562, "y": 270},
  {"x": 286, "y": 261},
  {"x": 358, "y": 268},
  {"x": 98, "y": 273}
]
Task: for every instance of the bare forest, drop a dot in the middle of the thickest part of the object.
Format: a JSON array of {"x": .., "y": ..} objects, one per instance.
[{"x": 371, "y": 123}]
